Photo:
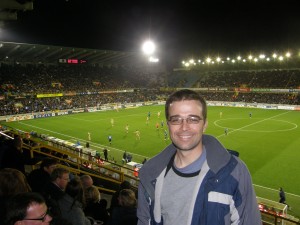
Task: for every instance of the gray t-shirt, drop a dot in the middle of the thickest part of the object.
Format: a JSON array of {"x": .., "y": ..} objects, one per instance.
[{"x": 178, "y": 186}]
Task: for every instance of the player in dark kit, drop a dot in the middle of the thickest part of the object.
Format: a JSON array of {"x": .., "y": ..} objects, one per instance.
[{"x": 109, "y": 139}]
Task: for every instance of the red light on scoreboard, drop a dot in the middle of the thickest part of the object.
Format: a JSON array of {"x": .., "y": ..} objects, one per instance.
[{"x": 72, "y": 61}]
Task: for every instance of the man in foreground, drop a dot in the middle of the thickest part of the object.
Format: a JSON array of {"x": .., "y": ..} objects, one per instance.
[
  {"x": 28, "y": 209},
  {"x": 195, "y": 180}
]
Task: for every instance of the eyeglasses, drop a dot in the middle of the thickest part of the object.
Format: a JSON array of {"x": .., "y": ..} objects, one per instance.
[
  {"x": 176, "y": 120},
  {"x": 42, "y": 219}
]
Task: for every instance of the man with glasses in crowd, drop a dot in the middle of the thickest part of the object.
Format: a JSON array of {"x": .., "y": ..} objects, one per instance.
[
  {"x": 27, "y": 209},
  {"x": 195, "y": 180}
]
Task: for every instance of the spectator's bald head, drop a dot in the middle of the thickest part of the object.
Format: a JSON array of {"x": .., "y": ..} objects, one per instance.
[{"x": 86, "y": 181}]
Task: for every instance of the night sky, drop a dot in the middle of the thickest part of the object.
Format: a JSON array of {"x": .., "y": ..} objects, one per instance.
[{"x": 179, "y": 28}]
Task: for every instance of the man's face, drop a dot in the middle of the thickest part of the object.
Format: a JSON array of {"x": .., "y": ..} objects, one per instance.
[
  {"x": 63, "y": 181},
  {"x": 187, "y": 135},
  {"x": 36, "y": 215},
  {"x": 87, "y": 182}
]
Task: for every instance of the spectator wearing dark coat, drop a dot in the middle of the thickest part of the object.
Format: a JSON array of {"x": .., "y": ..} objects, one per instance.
[
  {"x": 114, "y": 200},
  {"x": 13, "y": 156},
  {"x": 95, "y": 206},
  {"x": 38, "y": 178},
  {"x": 125, "y": 214},
  {"x": 55, "y": 190},
  {"x": 71, "y": 204}
]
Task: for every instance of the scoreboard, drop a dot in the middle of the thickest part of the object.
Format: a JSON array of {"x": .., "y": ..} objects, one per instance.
[{"x": 72, "y": 61}]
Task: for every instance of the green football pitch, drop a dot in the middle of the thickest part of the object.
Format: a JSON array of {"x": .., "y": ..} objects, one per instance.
[{"x": 268, "y": 142}]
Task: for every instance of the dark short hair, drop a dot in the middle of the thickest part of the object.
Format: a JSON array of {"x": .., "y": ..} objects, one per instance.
[
  {"x": 186, "y": 94},
  {"x": 46, "y": 162},
  {"x": 18, "y": 204},
  {"x": 75, "y": 190},
  {"x": 125, "y": 185}
]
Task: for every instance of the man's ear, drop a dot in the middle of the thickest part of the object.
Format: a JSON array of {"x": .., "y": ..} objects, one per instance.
[{"x": 205, "y": 125}]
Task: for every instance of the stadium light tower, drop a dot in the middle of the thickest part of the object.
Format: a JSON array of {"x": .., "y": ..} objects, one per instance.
[{"x": 148, "y": 47}]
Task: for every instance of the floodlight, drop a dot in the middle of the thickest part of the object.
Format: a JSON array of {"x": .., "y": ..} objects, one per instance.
[{"x": 148, "y": 47}]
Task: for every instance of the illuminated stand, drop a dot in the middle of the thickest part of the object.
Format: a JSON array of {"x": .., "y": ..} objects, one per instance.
[{"x": 271, "y": 207}]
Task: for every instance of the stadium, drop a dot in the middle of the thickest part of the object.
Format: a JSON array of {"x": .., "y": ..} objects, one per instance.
[{"x": 76, "y": 102}]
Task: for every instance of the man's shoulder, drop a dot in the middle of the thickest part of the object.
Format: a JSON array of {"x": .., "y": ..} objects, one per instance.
[
  {"x": 37, "y": 172},
  {"x": 53, "y": 191},
  {"x": 159, "y": 162}
]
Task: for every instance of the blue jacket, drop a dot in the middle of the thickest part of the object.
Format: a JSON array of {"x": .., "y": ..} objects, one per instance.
[{"x": 225, "y": 191}]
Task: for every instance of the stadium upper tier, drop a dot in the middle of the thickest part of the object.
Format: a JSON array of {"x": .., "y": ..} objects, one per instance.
[
  {"x": 23, "y": 88},
  {"x": 37, "y": 79}
]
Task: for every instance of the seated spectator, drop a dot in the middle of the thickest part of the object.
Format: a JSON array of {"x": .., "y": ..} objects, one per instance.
[
  {"x": 12, "y": 182},
  {"x": 114, "y": 200},
  {"x": 27, "y": 208},
  {"x": 71, "y": 204},
  {"x": 95, "y": 208},
  {"x": 125, "y": 214},
  {"x": 13, "y": 156},
  {"x": 38, "y": 178},
  {"x": 87, "y": 181},
  {"x": 55, "y": 190}
]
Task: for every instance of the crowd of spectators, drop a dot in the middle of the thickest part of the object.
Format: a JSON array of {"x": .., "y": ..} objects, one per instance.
[
  {"x": 70, "y": 198},
  {"x": 283, "y": 79},
  {"x": 89, "y": 86},
  {"x": 39, "y": 79},
  {"x": 65, "y": 198}
]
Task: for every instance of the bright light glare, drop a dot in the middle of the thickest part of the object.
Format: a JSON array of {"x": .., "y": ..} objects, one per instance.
[
  {"x": 153, "y": 59},
  {"x": 148, "y": 47}
]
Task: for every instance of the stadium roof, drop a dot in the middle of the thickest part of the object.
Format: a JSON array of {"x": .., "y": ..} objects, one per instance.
[{"x": 47, "y": 54}]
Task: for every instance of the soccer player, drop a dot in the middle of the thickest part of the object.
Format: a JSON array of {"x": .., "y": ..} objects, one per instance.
[
  {"x": 226, "y": 131},
  {"x": 137, "y": 135},
  {"x": 166, "y": 134},
  {"x": 162, "y": 124},
  {"x": 127, "y": 128},
  {"x": 157, "y": 125},
  {"x": 89, "y": 136},
  {"x": 112, "y": 122},
  {"x": 109, "y": 139}
]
